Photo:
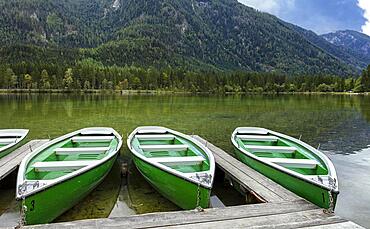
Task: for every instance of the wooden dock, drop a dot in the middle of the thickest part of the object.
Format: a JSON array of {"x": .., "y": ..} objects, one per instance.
[
  {"x": 253, "y": 182},
  {"x": 277, "y": 207},
  {"x": 11, "y": 161}
]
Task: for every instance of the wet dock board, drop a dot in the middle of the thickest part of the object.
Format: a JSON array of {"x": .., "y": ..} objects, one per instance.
[{"x": 11, "y": 161}]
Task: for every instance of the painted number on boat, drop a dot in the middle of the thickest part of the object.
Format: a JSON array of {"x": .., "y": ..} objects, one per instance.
[{"x": 32, "y": 205}]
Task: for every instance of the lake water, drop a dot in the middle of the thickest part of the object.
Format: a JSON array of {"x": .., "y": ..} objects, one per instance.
[{"x": 339, "y": 124}]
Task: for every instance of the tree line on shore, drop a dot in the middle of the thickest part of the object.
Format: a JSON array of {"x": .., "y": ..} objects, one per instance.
[{"x": 89, "y": 74}]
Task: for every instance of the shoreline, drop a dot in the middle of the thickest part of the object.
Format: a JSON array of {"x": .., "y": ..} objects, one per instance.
[{"x": 163, "y": 92}]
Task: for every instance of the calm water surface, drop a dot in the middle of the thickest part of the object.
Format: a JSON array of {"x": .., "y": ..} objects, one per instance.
[{"x": 339, "y": 124}]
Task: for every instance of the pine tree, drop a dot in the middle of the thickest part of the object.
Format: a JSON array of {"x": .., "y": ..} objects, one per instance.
[
  {"x": 68, "y": 79},
  {"x": 28, "y": 81},
  {"x": 45, "y": 83}
]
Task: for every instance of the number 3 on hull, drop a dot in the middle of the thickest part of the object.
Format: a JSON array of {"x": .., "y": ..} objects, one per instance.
[{"x": 57, "y": 175}]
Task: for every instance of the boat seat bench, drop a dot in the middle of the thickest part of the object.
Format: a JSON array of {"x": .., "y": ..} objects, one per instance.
[
  {"x": 81, "y": 150},
  {"x": 294, "y": 163},
  {"x": 7, "y": 140},
  {"x": 191, "y": 160},
  {"x": 258, "y": 138},
  {"x": 156, "y": 148},
  {"x": 163, "y": 137},
  {"x": 92, "y": 139},
  {"x": 271, "y": 149},
  {"x": 48, "y": 166}
]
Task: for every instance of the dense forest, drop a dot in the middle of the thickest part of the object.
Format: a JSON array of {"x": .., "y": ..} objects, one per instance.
[
  {"x": 212, "y": 46},
  {"x": 89, "y": 74},
  {"x": 199, "y": 35}
]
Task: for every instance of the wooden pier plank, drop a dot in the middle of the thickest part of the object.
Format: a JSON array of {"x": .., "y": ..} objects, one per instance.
[
  {"x": 342, "y": 225},
  {"x": 287, "y": 220},
  {"x": 11, "y": 161},
  {"x": 165, "y": 219},
  {"x": 251, "y": 179}
]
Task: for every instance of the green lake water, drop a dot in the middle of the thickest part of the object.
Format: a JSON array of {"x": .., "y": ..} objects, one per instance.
[{"x": 339, "y": 124}]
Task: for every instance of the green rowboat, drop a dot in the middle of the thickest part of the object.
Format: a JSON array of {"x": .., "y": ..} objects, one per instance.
[
  {"x": 290, "y": 162},
  {"x": 58, "y": 174},
  {"x": 176, "y": 165},
  {"x": 11, "y": 139}
]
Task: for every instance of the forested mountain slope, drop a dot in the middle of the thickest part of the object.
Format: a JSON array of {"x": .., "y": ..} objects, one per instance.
[{"x": 194, "y": 34}]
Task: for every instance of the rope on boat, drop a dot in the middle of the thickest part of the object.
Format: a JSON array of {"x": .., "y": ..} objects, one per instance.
[
  {"x": 202, "y": 178},
  {"x": 332, "y": 184},
  {"x": 23, "y": 209},
  {"x": 198, "y": 208},
  {"x": 330, "y": 210}
]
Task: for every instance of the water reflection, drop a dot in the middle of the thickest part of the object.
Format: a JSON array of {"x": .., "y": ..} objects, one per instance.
[{"x": 339, "y": 124}]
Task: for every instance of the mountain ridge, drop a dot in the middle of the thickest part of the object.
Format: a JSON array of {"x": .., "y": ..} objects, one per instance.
[
  {"x": 353, "y": 42},
  {"x": 201, "y": 34}
]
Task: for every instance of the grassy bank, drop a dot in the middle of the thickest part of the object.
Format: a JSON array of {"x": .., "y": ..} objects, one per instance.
[
  {"x": 162, "y": 92},
  {"x": 89, "y": 91}
]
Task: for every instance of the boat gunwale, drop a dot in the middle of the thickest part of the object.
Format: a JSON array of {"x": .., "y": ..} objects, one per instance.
[
  {"x": 167, "y": 169},
  {"x": 331, "y": 169},
  {"x": 53, "y": 182},
  {"x": 24, "y": 133}
]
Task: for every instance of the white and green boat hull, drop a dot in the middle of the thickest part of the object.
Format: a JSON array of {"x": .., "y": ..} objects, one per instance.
[
  {"x": 57, "y": 175},
  {"x": 47, "y": 205}
]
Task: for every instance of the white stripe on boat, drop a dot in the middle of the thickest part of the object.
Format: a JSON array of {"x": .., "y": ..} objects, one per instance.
[
  {"x": 11, "y": 134},
  {"x": 270, "y": 149},
  {"x": 253, "y": 131},
  {"x": 258, "y": 138},
  {"x": 48, "y": 166},
  {"x": 81, "y": 150},
  {"x": 153, "y": 148},
  {"x": 294, "y": 163},
  {"x": 96, "y": 131},
  {"x": 155, "y": 137},
  {"x": 7, "y": 140},
  {"x": 154, "y": 130},
  {"x": 192, "y": 160},
  {"x": 92, "y": 139}
]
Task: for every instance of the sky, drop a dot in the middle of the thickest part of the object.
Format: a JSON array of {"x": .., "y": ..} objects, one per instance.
[{"x": 320, "y": 16}]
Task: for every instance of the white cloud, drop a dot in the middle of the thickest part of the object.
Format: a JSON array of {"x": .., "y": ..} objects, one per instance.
[
  {"x": 365, "y": 5},
  {"x": 270, "y": 6}
]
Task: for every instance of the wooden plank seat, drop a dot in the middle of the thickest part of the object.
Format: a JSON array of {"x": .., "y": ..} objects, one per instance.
[
  {"x": 271, "y": 149},
  {"x": 191, "y": 160},
  {"x": 81, "y": 150},
  {"x": 92, "y": 139},
  {"x": 164, "y": 137},
  {"x": 294, "y": 163},
  {"x": 258, "y": 138},
  {"x": 156, "y": 148},
  {"x": 48, "y": 166},
  {"x": 7, "y": 140}
]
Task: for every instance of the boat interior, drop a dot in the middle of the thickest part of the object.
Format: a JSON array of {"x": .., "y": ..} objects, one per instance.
[
  {"x": 6, "y": 139},
  {"x": 172, "y": 151},
  {"x": 69, "y": 155},
  {"x": 281, "y": 151}
]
